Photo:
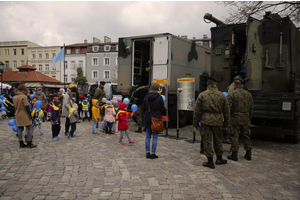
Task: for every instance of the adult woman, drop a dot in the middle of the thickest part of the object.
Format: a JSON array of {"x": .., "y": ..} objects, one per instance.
[
  {"x": 156, "y": 105},
  {"x": 23, "y": 116}
]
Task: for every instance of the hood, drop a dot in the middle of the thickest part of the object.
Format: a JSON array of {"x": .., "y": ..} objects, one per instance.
[
  {"x": 38, "y": 93},
  {"x": 152, "y": 96},
  {"x": 94, "y": 102},
  {"x": 122, "y": 106},
  {"x": 85, "y": 102}
]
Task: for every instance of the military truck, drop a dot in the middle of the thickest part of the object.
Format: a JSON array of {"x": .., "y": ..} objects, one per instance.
[
  {"x": 161, "y": 57},
  {"x": 266, "y": 53}
]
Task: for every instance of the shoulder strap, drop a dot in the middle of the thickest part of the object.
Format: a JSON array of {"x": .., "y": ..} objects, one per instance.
[{"x": 149, "y": 107}]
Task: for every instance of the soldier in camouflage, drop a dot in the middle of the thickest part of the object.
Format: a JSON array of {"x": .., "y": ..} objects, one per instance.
[
  {"x": 99, "y": 94},
  {"x": 213, "y": 111},
  {"x": 139, "y": 96},
  {"x": 241, "y": 109}
]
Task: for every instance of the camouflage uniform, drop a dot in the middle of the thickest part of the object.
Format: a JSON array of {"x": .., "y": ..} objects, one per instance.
[
  {"x": 139, "y": 96},
  {"x": 241, "y": 109},
  {"x": 211, "y": 108},
  {"x": 99, "y": 94}
]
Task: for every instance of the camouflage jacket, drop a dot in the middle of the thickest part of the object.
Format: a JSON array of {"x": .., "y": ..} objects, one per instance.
[
  {"x": 241, "y": 106},
  {"x": 99, "y": 94},
  {"x": 211, "y": 108}
]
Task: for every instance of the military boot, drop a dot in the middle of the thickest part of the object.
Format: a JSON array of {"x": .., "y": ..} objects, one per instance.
[
  {"x": 139, "y": 130},
  {"x": 209, "y": 163},
  {"x": 30, "y": 145},
  {"x": 233, "y": 156},
  {"x": 22, "y": 144},
  {"x": 248, "y": 155},
  {"x": 220, "y": 160}
]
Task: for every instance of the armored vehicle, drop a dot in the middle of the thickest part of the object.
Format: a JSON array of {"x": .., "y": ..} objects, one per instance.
[
  {"x": 266, "y": 53},
  {"x": 161, "y": 57}
]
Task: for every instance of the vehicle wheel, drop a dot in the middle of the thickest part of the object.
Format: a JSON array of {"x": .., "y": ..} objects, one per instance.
[
  {"x": 4, "y": 116},
  {"x": 296, "y": 133}
]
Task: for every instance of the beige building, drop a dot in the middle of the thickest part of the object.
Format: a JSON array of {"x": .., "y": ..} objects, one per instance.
[
  {"x": 41, "y": 57},
  {"x": 14, "y": 53}
]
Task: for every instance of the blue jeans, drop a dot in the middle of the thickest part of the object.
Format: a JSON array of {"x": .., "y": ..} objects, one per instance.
[
  {"x": 94, "y": 126},
  {"x": 149, "y": 132}
]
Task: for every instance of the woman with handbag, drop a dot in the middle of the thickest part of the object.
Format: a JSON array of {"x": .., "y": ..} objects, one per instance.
[{"x": 153, "y": 106}]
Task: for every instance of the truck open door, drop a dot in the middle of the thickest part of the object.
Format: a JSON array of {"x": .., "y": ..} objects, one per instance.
[
  {"x": 254, "y": 52},
  {"x": 160, "y": 57}
]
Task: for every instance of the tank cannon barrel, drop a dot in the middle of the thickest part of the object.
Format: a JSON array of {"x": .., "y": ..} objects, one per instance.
[{"x": 213, "y": 19}]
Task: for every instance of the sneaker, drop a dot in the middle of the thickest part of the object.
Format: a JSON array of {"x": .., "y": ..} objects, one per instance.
[
  {"x": 54, "y": 138},
  {"x": 97, "y": 133},
  {"x": 68, "y": 134},
  {"x": 57, "y": 137},
  {"x": 42, "y": 134},
  {"x": 116, "y": 132},
  {"x": 73, "y": 135},
  {"x": 93, "y": 133},
  {"x": 132, "y": 142},
  {"x": 121, "y": 143}
]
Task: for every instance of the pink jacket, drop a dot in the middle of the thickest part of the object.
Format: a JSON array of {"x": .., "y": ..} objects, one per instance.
[{"x": 110, "y": 114}]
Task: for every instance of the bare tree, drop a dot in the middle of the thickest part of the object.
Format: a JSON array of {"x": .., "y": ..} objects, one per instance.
[{"x": 240, "y": 10}]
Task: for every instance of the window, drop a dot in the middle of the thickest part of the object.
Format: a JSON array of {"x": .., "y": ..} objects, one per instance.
[
  {"x": 33, "y": 66},
  {"x": 106, "y": 74},
  {"x": 68, "y": 51},
  {"x": 7, "y": 64},
  {"x": 94, "y": 61},
  {"x": 72, "y": 79},
  {"x": 33, "y": 56},
  {"x": 54, "y": 77},
  {"x": 66, "y": 78},
  {"x": 81, "y": 63},
  {"x": 22, "y": 51},
  {"x": 95, "y": 48},
  {"x": 15, "y": 52},
  {"x": 72, "y": 64},
  {"x": 95, "y": 74},
  {"x": 53, "y": 55},
  {"x": 40, "y": 67},
  {"x": 77, "y": 51},
  {"x": 40, "y": 56},
  {"x": 106, "y": 47},
  {"x": 6, "y": 52},
  {"x": 47, "y": 55},
  {"x": 106, "y": 61},
  {"x": 66, "y": 64},
  {"x": 15, "y": 64},
  {"x": 47, "y": 67},
  {"x": 22, "y": 62}
]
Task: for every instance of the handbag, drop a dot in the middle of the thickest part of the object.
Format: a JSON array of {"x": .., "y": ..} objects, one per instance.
[{"x": 157, "y": 125}]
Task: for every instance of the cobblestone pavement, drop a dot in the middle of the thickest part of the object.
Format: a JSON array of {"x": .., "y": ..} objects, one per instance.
[{"x": 97, "y": 167}]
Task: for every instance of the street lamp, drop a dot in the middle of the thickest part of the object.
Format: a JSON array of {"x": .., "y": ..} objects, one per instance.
[{"x": 1, "y": 73}]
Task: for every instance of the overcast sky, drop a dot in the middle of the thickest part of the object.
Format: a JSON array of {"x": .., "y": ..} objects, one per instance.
[{"x": 56, "y": 23}]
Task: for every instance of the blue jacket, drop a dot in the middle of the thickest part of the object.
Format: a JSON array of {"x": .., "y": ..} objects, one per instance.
[
  {"x": 55, "y": 115},
  {"x": 157, "y": 107}
]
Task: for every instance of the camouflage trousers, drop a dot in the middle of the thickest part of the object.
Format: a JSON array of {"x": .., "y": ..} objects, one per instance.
[
  {"x": 211, "y": 134},
  {"x": 234, "y": 132},
  {"x": 140, "y": 116}
]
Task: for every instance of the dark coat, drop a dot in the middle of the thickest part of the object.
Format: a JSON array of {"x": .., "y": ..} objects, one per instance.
[{"x": 157, "y": 107}]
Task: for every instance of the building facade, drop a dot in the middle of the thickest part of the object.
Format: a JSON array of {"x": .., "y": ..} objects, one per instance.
[
  {"x": 41, "y": 57},
  {"x": 102, "y": 62},
  {"x": 15, "y": 53},
  {"x": 75, "y": 56}
]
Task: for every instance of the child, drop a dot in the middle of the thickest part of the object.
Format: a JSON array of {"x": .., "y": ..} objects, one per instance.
[
  {"x": 102, "y": 113},
  {"x": 37, "y": 118},
  {"x": 116, "y": 106},
  {"x": 34, "y": 99},
  {"x": 73, "y": 116},
  {"x": 48, "y": 110},
  {"x": 55, "y": 121},
  {"x": 85, "y": 109},
  {"x": 109, "y": 117},
  {"x": 95, "y": 114},
  {"x": 123, "y": 125}
]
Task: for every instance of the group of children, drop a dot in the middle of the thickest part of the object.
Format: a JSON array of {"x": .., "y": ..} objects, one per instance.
[{"x": 114, "y": 117}]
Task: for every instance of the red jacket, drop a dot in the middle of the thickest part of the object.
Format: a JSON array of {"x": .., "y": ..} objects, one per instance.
[{"x": 122, "y": 116}]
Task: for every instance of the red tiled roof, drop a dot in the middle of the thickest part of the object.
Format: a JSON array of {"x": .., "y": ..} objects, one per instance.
[
  {"x": 26, "y": 67},
  {"x": 29, "y": 76}
]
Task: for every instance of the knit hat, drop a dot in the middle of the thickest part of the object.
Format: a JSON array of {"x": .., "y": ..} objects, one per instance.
[
  {"x": 109, "y": 103},
  {"x": 56, "y": 102}
]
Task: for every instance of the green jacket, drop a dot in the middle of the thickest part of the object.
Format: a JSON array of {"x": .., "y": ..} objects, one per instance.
[
  {"x": 99, "y": 94},
  {"x": 241, "y": 106},
  {"x": 211, "y": 108}
]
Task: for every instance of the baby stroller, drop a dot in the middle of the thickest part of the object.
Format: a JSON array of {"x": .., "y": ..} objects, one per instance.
[{"x": 10, "y": 110}]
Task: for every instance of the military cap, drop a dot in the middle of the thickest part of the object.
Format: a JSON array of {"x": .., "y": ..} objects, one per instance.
[
  {"x": 102, "y": 82},
  {"x": 239, "y": 78},
  {"x": 212, "y": 78}
]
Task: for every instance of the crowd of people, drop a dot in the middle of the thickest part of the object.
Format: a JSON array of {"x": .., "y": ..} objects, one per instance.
[{"x": 215, "y": 112}]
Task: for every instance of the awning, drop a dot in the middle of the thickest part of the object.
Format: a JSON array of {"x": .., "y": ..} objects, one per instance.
[
  {"x": 53, "y": 86},
  {"x": 33, "y": 85}
]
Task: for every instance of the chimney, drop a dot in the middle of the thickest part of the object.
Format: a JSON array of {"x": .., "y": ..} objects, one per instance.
[
  {"x": 184, "y": 36},
  {"x": 96, "y": 40},
  {"x": 204, "y": 36},
  {"x": 85, "y": 41},
  {"x": 107, "y": 39}
]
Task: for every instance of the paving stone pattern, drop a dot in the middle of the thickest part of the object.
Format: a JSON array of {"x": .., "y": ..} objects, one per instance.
[{"x": 97, "y": 167}]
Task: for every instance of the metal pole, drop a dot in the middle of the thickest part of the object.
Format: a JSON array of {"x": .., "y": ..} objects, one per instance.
[
  {"x": 177, "y": 124},
  {"x": 1, "y": 82},
  {"x": 64, "y": 70}
]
